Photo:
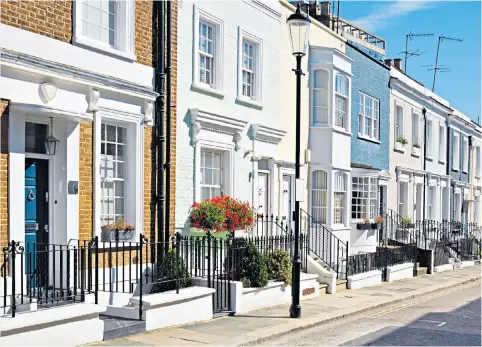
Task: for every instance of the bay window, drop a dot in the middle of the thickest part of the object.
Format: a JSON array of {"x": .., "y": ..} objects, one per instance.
[
  {"x": 320, "y": 97},
  {"x": 364, "y": 197},
  {"x": 339, "y": 191},
  {"x": 113, "y": 173},
  {"x": 368, "y": 117},
  {"x": 341, "y": 101},
  {"x": 319, "y": 196}
]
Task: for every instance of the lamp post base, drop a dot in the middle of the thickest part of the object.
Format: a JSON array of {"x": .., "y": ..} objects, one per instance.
[{"x": 295, "y": 311}]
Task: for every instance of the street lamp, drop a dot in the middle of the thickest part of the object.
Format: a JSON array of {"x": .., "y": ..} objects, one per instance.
[{"x": 299, "y": 25}]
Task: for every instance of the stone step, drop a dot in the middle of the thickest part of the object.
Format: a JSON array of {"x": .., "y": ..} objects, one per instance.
[
  {"x": 323, "y": 288},
  {"x": 115, "y": 327},
  {"x": 421, "y": 271},
  {"x": 340, "y": 285}
]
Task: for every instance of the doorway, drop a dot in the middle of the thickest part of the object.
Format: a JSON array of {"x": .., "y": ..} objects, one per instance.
[
  {"x": 36, "y": 221},
  {"x": 287, "y": 197},
  {"x": 263, "y": 199}
]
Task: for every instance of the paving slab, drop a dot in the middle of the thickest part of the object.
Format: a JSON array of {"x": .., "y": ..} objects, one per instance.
[{"x": 255, "y": 327}]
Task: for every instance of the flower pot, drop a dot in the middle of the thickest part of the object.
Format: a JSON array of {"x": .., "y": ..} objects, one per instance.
[
  {"x": 399, "y": 146},
  {"x": 118, "y": 235},
  {"x": 364, "y": 226}
]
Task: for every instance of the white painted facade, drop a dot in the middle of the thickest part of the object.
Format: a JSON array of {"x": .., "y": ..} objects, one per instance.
[
  {"x": 84, "y": 86},
  {"x": 405, "y": 193}
]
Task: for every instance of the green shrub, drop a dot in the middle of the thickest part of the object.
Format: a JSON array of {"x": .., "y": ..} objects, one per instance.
[
  {"x": 254, "y": 271},
  {"x": 168, "y": 273},
  {"x": 279, "y": 266}
]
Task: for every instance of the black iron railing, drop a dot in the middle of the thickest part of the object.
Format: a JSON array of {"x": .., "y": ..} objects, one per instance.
[
  {"x": 324, "y": 245},
  {"x": 271, "y": 226}
]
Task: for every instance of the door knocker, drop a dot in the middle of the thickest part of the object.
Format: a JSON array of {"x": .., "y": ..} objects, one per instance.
[{"x": 31, "y": 195}]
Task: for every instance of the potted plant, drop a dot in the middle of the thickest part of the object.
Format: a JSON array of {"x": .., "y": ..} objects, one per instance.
[
  {"x": 118, "y": 231},
  {"x": 407, "y": 223},
  {"x": 365, "y": 224},
  {"x": 222, "y": 216},
  {"x": 378, "y": 223},
  {"x": 400, "y": 142}
]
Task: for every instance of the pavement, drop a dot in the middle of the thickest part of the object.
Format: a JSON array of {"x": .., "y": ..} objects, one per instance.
[
  {"x": 256, "y": 327},
  {"x": 447, "y": 318}
]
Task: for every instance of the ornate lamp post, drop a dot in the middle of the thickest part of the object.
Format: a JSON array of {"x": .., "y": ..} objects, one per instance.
[
  {"x": 51, "y": 143},
  {"x": 299, "y": 26}
]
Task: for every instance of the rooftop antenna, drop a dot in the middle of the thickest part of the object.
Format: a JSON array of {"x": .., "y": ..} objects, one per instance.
[
  {"x": 408, "y": 54},
  {"x": 436, "y": 68}
]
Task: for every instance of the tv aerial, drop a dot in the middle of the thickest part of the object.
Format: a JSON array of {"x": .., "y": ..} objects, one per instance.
[{"x": 408, "y": 54}]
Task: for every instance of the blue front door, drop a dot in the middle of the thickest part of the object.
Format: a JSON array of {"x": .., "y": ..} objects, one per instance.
[{"x": 36, "y": 221}]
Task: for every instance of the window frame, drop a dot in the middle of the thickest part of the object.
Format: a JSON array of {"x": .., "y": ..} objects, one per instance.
[
  {"x": 429, "y": 140},
  {"x": 326, "y": 89},
  {"x": 124, "y": 34},
  {"x": 216, "y": 87},
  {"x": 340, "y": 178},
  {"x": 134, "y": 191},
  {"x": 346, "y": 98},
  {"x": 399, "y": 127},
  {"x": 367, "y": 199},
  {"x": 221, "y": 174},
  {"x": 442, "y": 149},
  {"x": 362, "y": 117},
  {"x": 256, "y": 99},
  {"x": 465, "y": 162},
  {"x": 455, "y": 151},
  {"x": 416, "y": 138},
  {"x": 325, "y": 190},
  {"x": 478, "y": 158}
]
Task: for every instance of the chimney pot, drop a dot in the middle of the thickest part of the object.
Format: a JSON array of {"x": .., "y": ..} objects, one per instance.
[
  {"x": 388, "y": 62},
  {"x": 397, "y": 62}
]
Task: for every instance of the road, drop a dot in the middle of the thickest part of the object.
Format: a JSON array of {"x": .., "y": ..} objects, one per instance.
[{"x": 451, "y": 318}]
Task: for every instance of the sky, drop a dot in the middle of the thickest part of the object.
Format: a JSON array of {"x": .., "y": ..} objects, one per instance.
[{"x": 392, "y": 20}]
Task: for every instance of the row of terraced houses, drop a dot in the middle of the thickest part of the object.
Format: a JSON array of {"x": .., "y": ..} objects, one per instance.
[{"x": 140, "y": 140}]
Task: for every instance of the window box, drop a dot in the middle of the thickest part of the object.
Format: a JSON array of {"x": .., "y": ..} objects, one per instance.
[
  {"x": 364, "y": 226},
  {"x": 117, "y": 235},
  {"x": 376, "y": 226},
  {"x": 407, "y": 225}
]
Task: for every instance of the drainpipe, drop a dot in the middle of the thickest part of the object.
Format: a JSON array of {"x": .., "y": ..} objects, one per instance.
[
  {"x": 168, "y": 120},
  {"x": 448, "y": 162},
  {"x": 424, "y": 112},
  {"x": 468, "y": 176},
  {"x": 160, "y": 138}
]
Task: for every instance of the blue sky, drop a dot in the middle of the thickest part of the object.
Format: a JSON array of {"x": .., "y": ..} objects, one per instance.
[{"x": 392, "y": 20}]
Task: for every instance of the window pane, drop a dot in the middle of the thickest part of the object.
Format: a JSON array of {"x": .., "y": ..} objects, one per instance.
[
  {"x": 320, "y": 98},
  {"x": 35, "y": 136},
  {"x": 321, "y": 79}
]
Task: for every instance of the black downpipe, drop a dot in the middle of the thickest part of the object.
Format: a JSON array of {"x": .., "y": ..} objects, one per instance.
[
  {"x": 160, "y": 137},
  {"x": 168, "y": 119}
]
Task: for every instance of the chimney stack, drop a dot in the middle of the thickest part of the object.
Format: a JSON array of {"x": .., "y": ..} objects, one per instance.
[
  {"x": 397, "y": 62},
  {"x": 388, "y": 62}
]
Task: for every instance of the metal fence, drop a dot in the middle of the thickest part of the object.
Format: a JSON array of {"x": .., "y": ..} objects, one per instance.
[{"x": 271, "y": 226}]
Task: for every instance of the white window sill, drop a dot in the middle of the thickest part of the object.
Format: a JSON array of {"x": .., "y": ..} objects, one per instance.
[
  {"x": 206, "y": 89},
  {"x": 442, "y": 162},
  {"x": 455, "y": 169},
  {"x": 338, "y": 227},
  {"x": 86, "y": 42},
  {"x": 342, "y": 131},
  {"x": 430, "y": 158},
  {"x": 246, "y": 101},
  {"x": 465, "y": 171},
  {"x": 367, "y": 138}
]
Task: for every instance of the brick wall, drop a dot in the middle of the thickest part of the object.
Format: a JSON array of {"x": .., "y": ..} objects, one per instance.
[
  {"x": 370, "y": 78},
  {"x": 143, "y": 32},
  {"x": 3, "y": 173},
  {"x": 49, "y": 18},
  {"x": 85, "y": 181}
]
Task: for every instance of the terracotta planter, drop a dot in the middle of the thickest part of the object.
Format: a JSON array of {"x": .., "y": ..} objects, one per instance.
[{"x": 120, "y": 235}]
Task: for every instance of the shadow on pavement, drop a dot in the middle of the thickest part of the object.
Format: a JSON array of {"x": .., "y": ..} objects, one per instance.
[{"x": 460, "y": 327}]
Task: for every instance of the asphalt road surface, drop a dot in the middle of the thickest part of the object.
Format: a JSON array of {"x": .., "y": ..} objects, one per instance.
[{"x": 449, "y": 318}]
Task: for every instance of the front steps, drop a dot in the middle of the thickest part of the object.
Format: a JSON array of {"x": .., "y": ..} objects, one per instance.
[
  {"x": 115, "y": 327},
  {"x": 340, "y": 285}
]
